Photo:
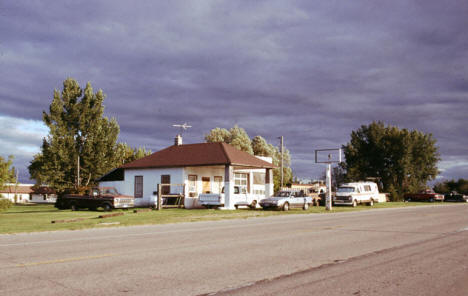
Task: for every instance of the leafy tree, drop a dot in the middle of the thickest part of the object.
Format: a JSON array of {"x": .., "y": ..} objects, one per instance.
[
  {"x": 128, "y": 154},
  {"x": 239, "y": 138},
  {"x": 236, "y": 136},
  {"x": 7, "y": 172},
  {"x": 460, "y": 186},
  {"x": 77, "y": 130},
  {"x": 403, "y": 160}
]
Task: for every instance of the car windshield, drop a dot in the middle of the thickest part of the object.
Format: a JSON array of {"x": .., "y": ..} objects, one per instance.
[
  {"x": 283, "y": 193},
  {"x": 345, "y": 189},
  {"x": 108, "y": 191}
]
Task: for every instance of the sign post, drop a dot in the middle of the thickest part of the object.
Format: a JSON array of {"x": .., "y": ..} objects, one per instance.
[{"x": 332, "y": 156}]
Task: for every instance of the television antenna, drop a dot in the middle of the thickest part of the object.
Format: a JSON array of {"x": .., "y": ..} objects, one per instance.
[{"x": 183, "y": 127}]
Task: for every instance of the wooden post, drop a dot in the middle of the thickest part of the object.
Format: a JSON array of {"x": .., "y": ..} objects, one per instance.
[{"x": 159, "y": 197}]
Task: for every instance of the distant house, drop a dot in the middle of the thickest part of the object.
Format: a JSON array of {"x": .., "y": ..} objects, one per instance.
[
  {"x": 24, "y": 193},
  {"x": 198, "y": 168}
]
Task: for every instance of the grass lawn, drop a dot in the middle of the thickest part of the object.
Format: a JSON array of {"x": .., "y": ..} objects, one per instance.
[{"x": 39, "y": 217}]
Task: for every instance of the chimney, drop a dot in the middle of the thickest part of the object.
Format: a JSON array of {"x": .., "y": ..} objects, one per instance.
[{"x": 178, "y": 140}]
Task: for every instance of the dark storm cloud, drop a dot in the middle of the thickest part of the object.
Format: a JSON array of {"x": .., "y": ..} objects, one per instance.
[{"x": 311, "y": 71}]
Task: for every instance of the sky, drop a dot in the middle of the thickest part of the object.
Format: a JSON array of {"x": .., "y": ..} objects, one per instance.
[{"x": 310, "y": 71}]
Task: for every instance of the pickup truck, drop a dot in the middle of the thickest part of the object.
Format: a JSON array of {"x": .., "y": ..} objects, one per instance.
[
  {"x": 424, "y": 195},
  {"x": 216, "y": 200},
  {"x": 107, "y": 198},
  {"x": 286, "y": 200}
]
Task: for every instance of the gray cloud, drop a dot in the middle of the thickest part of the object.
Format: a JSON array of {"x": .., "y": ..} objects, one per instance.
[{"x": 311, "y": 71}]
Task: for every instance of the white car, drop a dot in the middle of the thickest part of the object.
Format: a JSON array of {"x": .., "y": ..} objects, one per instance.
[{"x": 286, "y": 200}]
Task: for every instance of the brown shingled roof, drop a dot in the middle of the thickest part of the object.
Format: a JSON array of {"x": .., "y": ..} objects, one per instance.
[
  {"x": 20, "y": 189},
  {"x": 202, "y": 154}
]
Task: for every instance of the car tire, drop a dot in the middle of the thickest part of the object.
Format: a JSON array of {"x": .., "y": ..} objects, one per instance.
[
  {"x": 354, "y": 203},
  {"x": 73, "y": 207},
  {"x": 306, "y": 207},
  {"x": 106, "y": 207},
  {"x": 236, "y": 206},
  {"x": 431, "y": 199},
  {"x": 286, "y": 207},
  {"x": 253, "y": 205}
]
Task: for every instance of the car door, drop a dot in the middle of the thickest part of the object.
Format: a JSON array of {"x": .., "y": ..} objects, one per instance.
[{"x": 296, "y": 200}]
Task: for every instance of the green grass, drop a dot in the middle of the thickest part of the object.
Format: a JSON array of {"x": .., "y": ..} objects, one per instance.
[{"x": 38, "y": 217}]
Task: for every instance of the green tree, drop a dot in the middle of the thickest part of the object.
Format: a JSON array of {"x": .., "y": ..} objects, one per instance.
[
  {"x": 128, "y": 154},
  {"x": 78, "y": 131},
  {"x": 460, "y": 186},
  {"x": 7, "y": 172},
  {"x": 236, "y": 136},
  {"x": 403, "y": 160},
  {"x": 239, "y": 138}
]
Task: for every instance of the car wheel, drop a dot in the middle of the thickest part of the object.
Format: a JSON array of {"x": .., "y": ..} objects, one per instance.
[
  {"x": 253, "y": 205},
  {"x": 73, "y": 207},
  {"x": 236, "y": 206},
  {"x": 106, "y": 207},
  {"x": 306, "y": 207},
  {"x": 286, "y": 206},
  {"x": 354, "y": 203},
  {"x": 431, "y": 199}
]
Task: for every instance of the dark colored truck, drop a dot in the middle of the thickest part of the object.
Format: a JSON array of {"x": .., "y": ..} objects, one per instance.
[
  {"x": 106, "y": 198},
  {"x": 424, "y": 195},
  {"x": 455, "y": 196}
]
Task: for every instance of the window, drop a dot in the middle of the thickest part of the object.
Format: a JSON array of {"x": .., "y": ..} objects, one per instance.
[
  {"x": 217, "y": 184},
  {"x": 241, "y": 180},
  {"x": 165, "y": 179},
  {"x": 259, "y": 178},
  {"x": 138, "y": 187},
  {"x": 192, "y": 183}
]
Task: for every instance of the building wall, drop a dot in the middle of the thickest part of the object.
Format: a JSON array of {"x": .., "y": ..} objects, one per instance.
[
  {"x": 20, "y": 197},
  {"x": 151, "y": 179},
  {"x": 43, "y": 198},
  {"x": 200, "y": 172}
]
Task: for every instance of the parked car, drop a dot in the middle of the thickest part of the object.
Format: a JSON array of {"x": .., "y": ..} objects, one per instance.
[
  {"x": 424, "y": 195},
  {"x": 286, "y": 200},
  {"x": 216, "y": 200},
  {"x": 107, "y": 198},
  {"x": 356, "y": 193},
  {"x": 455, "y": 196}
]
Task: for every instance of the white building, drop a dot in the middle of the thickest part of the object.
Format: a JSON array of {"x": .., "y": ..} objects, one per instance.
[
  {"x": 199, "y": 168},
  {"x": 24, "y": 193}
]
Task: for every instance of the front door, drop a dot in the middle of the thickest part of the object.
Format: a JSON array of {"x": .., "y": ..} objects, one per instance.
[{"x": 206, "y": 186}]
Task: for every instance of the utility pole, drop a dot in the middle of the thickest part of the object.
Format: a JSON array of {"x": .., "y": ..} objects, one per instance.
[
  {"x": 281, "y": 150},
  {"x": 78, "y": 173}
]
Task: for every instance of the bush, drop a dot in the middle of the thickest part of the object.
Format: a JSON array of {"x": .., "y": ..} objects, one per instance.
[{"x": 5, "y": 204}]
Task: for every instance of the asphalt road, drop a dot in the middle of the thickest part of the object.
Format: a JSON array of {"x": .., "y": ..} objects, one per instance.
[{"x": 405, "y": 251}]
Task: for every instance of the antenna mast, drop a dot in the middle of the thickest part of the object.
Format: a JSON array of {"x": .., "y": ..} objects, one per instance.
[{"x": 183, "y": 127}]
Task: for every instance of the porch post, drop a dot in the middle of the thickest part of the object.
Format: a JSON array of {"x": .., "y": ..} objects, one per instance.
[
  {"x": 268, "y": 183},
  {"x": 228, "y": 188}
]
